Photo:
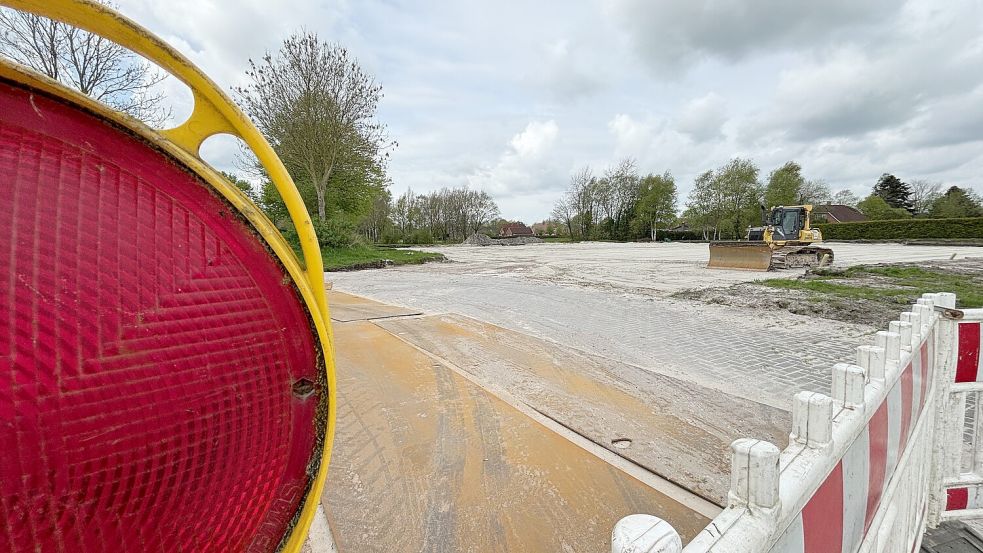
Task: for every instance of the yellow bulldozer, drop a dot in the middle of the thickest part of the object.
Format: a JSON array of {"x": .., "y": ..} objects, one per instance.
[{"x": 784, "y": 241}]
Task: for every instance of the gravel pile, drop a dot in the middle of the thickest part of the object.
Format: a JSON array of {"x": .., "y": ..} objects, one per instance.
[{"x": 483, "y": 240}]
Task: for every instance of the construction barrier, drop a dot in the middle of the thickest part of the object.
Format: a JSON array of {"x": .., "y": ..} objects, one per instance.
[
  {"x": 891, "y": 450},
  {"x": 961, "y": 468}
]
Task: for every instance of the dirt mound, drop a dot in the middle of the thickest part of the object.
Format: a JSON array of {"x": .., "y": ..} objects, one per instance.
[
  {"x": 866, "y": 294},
  {"x": 478, "y": 239}
]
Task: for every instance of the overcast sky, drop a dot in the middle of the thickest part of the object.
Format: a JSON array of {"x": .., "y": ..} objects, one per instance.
[{"x": 513, "y": 96}]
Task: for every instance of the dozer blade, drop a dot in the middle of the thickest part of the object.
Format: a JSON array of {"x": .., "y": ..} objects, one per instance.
[{"x": 747, "y": 256}]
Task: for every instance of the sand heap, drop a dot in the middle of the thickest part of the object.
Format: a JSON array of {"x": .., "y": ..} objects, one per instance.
[{"x": 478, "y": 239}]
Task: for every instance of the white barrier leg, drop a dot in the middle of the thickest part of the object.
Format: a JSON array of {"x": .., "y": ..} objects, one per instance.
[{"x": 645, "y": 534}]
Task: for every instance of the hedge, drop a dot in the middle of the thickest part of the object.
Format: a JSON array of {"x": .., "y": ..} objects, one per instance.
[{"x": 902, "y": 229}]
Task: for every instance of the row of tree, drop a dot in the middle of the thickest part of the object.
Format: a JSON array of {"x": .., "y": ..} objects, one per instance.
[
  {"x": 723, "y": 202},
  {"x": 726, "y": 200},
  {"x": 449, "y": 214},
  {"x": 892, "y": 198},
  {"x": 618, "y": 205}
]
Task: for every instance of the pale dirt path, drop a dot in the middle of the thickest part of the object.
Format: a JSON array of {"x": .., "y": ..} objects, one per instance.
[
  {"x": 657, "y": 269},
  {"x": 611, "y": 300}
]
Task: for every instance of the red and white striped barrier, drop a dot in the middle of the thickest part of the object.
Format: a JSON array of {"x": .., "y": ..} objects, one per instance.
[
  {"x": 860, "y": 472},
  {"x": 838, "y": 515},
  {"x": 963, "y": 426},
  {"x": 969, "y": 367},
  {"x": 964, "y": 498}
]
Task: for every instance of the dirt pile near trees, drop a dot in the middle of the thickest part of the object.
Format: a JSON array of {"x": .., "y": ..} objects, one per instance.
[{"x": 478, "y": 239}]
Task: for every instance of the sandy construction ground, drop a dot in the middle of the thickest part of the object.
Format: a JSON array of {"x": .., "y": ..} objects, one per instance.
[
  {"x": 656, "y": 269},
  {"x": 612, "y": 300},
  {"x": 583, "y": 343}
]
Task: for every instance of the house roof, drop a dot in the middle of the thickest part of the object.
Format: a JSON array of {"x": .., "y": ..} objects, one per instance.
[
  {"x": 516, "y": 228},
  {"x": 838, "y": 213}
]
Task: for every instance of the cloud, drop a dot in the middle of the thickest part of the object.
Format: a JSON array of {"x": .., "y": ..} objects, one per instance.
[
  {"x": 535, "y": 140},
  {"x": 478, "y": 92},
  {"x": 952, "y": 120},
  {"x": 900, "y": 73},
  {"x": 631, "y": 137},
  {"x": 568, "y": 71},
  {"x": 673, "y": 35},
  {"x": 702, "y": 118},
  {"x": 525, "y": 167}
]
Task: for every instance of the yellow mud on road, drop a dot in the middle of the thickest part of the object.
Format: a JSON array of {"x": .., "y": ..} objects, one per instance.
[
  {"x": 673, "y": 428},
  {"x": 426, "y": 460},
  {"x": 347, "y": 308}
]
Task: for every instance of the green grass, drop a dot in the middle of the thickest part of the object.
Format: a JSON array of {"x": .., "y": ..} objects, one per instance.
[
  {"x": 891, "y": 284},
  {"x": 365, "y": 257}
]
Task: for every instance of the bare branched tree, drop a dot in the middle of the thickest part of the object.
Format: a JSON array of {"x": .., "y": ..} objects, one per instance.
[
  {"x": 923, "y": 194},
  {"x": 95, "y": 66},
  {"x": 317, "y": 108}
]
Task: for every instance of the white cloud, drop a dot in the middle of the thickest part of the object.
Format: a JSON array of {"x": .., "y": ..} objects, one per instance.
[
  {"x": 672, "y": 35},
  {"x": 535, "y": 140},
  {"x": 703, "y": 118},
  {"x": 525, "y": 168},
  {"x": 630, "y": 135},
  {"x": 478, "y": 92}
]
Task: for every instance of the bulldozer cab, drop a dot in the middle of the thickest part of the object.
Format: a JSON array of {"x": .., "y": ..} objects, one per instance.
[{"x": 787, "y": 222}]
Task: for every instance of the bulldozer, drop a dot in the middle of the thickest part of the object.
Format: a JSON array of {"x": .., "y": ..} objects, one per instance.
[{"x": 784, "y": 241}]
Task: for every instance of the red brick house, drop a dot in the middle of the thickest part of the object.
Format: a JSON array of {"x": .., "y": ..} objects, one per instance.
[
  {"x": 837, "y": 213},
  {"x": 515, "y": 229}
]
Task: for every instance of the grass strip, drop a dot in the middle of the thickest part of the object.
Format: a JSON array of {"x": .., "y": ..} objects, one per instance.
[
  {"x": 899, "y": 285},
  {"x": 367, "y": 257}
]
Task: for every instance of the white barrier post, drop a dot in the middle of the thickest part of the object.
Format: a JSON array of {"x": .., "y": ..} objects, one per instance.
[
  {"x": 949, "y": 411},
  {"x": 911, "y": 318},
  {"x": 904, "y": 329},
  {"x": 872, "y": 360},
  {"x": 848, "y": 385},
  {"x": 812, "y": 419},
  {"x": 891, "y": 343},
  {"x": 644, "y": 534},
  {"x": 754, "y": 475}
]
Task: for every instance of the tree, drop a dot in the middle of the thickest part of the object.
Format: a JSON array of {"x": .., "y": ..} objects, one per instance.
[
  {"x": 317, "y": 107},
  {"x": 95, "y": 66},
  {"x": 564, "y": 211},
  {"x": 845, "y": 197},
  {"x": 657, "y": 202},
  {"x": 957, "y": 202},
  {"x": 784, "y": 185},
  {"x": 892, "y": 190},
  {"x": 617, "y": 194},
  {"x": 445, "y": 214},
  {"x": 245, "y": 186},
  {"x": 875, "y": 207},
  {"x": 704, "y": 206},
  {"x": 814, "y": 192},
  {"x": 584, "y": 198},
  {"x": 376, "y": 224},
  {"x": 923, "y": 195},
  {"x": 740, "y": 192},
  {"x": 272, "y": 204}
]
